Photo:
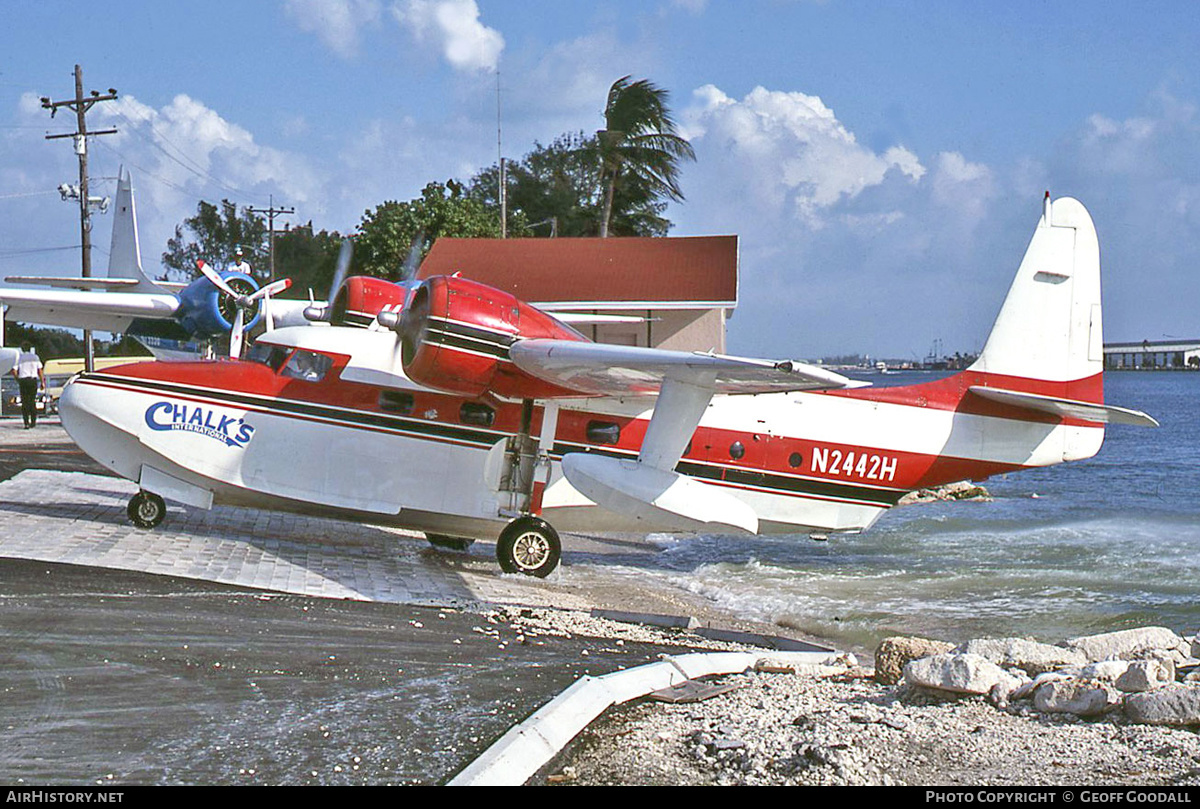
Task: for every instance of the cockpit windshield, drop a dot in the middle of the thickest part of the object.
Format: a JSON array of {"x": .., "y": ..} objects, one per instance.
[
  {"x": 266, "y": 354},
  {"x": 307, "y": 365}
]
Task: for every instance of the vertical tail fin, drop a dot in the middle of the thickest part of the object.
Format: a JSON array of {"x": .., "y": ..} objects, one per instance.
[
  {"x": 1049, "y": 328},
  {"x": 125, "y": 256}
]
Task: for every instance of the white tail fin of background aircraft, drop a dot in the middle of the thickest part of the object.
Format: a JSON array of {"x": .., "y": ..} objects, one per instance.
[{"x": 125, "y": 255}]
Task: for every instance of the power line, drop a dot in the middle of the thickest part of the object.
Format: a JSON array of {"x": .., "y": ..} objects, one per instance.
[
  {"x": 27, "y": 194},
  {"x": 191, "y": 165}
]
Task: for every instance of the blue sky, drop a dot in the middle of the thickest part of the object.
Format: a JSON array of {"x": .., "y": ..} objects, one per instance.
[{"x": 882, "y": 162}]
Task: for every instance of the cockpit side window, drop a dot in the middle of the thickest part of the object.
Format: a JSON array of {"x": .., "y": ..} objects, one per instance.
[
  {"x": 308, "y": 366},
  {"x": 267, "y": 354}
]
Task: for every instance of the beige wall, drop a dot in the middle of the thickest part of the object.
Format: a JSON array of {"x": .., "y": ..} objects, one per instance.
[{"x": 674, "y": 329}]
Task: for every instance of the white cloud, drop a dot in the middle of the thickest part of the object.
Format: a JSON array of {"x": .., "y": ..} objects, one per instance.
[
  {"x": 454, "y": 27},
  {"x": 965, "y": 187},
  {"x": 336, "y": 22},
  {"x": 792, "y": 149},
  {"x": 186, "y": 151}
]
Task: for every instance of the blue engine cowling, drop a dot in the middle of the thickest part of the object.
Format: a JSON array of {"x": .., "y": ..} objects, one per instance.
[{"x": 205, "y": 311}]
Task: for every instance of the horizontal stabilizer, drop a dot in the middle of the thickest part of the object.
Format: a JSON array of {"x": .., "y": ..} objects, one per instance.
[
  {"x": 658, "y": 496},
  {"x": 614, "y": 370},
  {"x": 1066, "y": 408},
  {"x": 73, "y": 283}
]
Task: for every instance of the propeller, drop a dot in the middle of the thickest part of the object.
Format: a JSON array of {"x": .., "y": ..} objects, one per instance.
[
  {"x": 412, "y": 262},
  {"x": 242, "y": 301},
  {"x": 321, "y": 313}
]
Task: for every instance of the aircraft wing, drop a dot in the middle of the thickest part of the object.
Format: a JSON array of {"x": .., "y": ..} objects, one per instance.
[
  {"x": 684, "y": 384},
  {"x": 8, "y": 359},
  {"x": 613, "y": 370},
  {"x": 101, "y": 311}
]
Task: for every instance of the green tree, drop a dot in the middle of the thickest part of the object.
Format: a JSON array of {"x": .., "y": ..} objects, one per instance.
[
  {"x": 309, "y": 258},
  {"x": 639, "y": 147},
  {"x": 388, "y": 233},
  {"x": 214, "y": 234},
  {"x": 556, "y": 188},
  {"x": 50, "y": 344}
]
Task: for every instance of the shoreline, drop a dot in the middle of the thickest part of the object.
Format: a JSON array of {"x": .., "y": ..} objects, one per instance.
[{"x": 837, "y": 725}]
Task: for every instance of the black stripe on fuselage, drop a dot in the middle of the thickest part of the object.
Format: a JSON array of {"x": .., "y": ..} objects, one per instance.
[{"x": 485, "y": 439}]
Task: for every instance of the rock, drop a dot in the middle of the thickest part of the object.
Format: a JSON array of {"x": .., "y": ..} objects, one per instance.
[
  {"x": 962, "y": 490},
  {"x": 961, "y": 674},
  {"x": 1075, "y": 697},
  {"x": 1028, "y": 689},
  {"x": 1128, "y": 644},
  {"x": 1104, "y": 671},
  {"x": 1146, "y": 675},
  {"x": 1176, "y": 705},
  {"x": 894, "y": 653},
  {"x": 1028, "y": 655}
]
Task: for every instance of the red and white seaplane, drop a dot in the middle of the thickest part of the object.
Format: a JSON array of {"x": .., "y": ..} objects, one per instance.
[{"x": 466, "y": 413}]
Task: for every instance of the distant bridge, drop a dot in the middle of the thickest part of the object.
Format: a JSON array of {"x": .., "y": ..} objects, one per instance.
[{"x": 1148, "y": 354}]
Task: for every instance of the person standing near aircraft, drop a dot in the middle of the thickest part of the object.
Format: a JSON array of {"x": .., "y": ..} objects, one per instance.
[
  {"x": 30, "y": 376},
  {"x": 239, "y": 262}
]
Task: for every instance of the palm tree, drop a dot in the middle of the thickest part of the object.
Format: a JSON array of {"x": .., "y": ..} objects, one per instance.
[{"x": 639, "y": 139}]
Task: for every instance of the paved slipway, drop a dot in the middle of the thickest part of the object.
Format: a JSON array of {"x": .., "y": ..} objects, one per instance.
[{"x": 265, "y": 653}]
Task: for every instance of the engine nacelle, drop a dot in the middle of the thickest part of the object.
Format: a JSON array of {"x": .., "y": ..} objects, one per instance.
[
  {"x": 455, "y": 334},
  {"x": 204, "y": 311},
  {"x": 362, "y": 297}
]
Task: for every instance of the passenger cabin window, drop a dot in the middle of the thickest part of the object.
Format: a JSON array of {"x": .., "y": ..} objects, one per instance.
[
  {"x": 603, "y": 432},
  {"x": 391, "y": 401},
  {"x": 478, "y": 414},
  {"x": 308, "y": 365},
  {"x": 267, "y": 354}
]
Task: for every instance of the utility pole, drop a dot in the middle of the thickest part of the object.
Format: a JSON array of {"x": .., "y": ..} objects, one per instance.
[
  {"x": 500, "y": 155},
  {"x": 271, "y": 213},
  {"x": 81, "y": 104}
]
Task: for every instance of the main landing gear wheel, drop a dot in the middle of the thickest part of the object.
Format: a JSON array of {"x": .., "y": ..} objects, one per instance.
[
  {"x": 449, "y": 543},
  {"x": 529, "y": 545},
  {"x": 146, "y": 509}
]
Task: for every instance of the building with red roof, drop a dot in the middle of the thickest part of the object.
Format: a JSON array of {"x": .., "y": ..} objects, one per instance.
[{"x": 682, "y": 290}]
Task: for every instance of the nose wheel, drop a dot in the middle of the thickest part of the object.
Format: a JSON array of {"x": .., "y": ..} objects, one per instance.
[
  {"x": 146, "y": 509},
  {"x": 529, "y": 545}
]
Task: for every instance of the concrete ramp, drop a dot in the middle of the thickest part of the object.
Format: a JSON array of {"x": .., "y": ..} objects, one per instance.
[{"x": 79, "y": 519}]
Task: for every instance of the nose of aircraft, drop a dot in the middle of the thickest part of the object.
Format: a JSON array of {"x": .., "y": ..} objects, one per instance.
[{"x": 91, "y": 415}]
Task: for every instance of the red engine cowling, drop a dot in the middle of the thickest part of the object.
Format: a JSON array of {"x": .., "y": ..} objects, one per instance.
[
  {"x": 455, "y": 336},
  {"x": 362, "y": 297}
]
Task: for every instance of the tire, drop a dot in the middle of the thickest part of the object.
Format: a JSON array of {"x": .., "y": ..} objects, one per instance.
[
  {"x": 449, "y": 543},
  {"x": 530, "y": 546},
  {"x": 146, "y": 509}
]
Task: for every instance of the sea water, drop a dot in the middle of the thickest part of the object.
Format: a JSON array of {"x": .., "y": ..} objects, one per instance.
[{"x": 1104, "y": 544}]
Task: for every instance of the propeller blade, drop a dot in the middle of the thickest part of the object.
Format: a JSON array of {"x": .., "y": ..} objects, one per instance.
[
  {"x": 215, "y": 278},
  {"x": 235, "y": 336},
  {"x": 273, "y": 288},
  {"x": 412, "y": 262},
  {"x": 343, "y": 267}
]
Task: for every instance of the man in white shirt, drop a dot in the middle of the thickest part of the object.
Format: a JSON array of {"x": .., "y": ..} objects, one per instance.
[
  {"x": 239, "y": 262},
  {"x": 30, "y": 376}
]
